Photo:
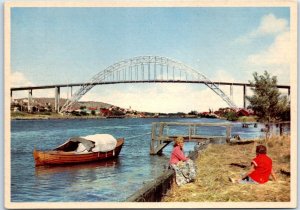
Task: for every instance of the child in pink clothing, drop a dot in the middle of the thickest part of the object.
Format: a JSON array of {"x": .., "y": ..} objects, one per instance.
[
  {"x": 177, "y": 153},
  {"x": 183, "y": 166}
]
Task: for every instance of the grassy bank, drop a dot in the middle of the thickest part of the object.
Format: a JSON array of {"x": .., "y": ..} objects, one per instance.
[
  {"x": 247, "y": 119},
  {"x": 214, "y": 168}
]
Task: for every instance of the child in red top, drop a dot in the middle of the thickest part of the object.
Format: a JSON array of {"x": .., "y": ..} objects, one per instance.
[{"x": 261, "y": 168}]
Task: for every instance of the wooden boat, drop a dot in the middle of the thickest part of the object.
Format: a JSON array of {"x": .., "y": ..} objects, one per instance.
[
  {"x": 73, "y": 168},
  {"x": 67, "y": 154}
]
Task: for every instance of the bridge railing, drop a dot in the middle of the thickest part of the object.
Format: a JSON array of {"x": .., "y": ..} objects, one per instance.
[{"x": 161, "y": 137}]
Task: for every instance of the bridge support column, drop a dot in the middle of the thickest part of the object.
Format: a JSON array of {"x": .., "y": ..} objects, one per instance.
[
  {"x": 57, "y": 96},
  {"x": 244, "y": 96},
  {"x": 231, "y": 92},
  {"x": 29, "y": 104}
]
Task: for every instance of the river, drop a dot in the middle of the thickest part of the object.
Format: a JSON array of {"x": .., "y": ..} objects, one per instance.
[{"x": 113, "y": 180}]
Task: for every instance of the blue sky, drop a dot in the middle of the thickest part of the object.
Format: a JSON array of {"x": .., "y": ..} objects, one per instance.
[{"x": 67, "y": 45}]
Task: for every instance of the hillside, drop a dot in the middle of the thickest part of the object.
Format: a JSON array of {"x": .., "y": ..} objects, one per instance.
[{"x": 50, "y": 101}]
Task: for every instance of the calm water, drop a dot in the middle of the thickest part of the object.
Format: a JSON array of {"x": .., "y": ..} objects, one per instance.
[{"x": 114, "y": 180}]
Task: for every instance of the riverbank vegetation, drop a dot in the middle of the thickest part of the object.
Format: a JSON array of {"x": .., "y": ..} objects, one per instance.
[
  {"x": 52, "y": 115},
  {"x": 267, "y": 102},
  {"x": 47, "y": 115},
  {"x": 219, "y": 162}
]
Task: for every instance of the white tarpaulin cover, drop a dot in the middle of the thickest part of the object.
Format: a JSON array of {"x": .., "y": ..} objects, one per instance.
[
  {"x": 81, "y": 149},
  {"x": 103, "y": 142}
]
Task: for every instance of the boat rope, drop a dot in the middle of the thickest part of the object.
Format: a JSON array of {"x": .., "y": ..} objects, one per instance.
[{"x": 132, "y": 137}]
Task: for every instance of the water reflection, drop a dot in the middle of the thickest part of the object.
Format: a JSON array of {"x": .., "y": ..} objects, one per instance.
[{"x": 73, "y": 168}]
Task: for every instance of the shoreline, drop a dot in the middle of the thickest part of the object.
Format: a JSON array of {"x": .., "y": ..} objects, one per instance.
[{"x": 54, "y": 116}]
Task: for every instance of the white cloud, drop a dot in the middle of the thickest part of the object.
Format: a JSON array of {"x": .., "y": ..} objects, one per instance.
[
  {"x": 278, "y": 52},
  {"x": 223, "y": 76},
  {"x": 166, "y": 98},
  {"x": 275, "y": 59},
  {"x": 269, "y": 25},
  {"x": 18, "y": 79}
]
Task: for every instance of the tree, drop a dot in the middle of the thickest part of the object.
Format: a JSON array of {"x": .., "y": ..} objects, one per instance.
[
  {"x": 193, "y": 112},
  {"x": 82, "y": 107},
  {"x": 267, "y": 102},
  {"x": 231, "y": 116}
]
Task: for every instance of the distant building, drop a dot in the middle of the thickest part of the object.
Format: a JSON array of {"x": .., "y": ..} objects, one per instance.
[{"x": 245, "y": 112}]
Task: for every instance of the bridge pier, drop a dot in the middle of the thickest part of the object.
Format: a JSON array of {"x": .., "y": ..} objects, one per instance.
[
  {"x": 11, "y": 95},
  {"x": 29, "y": 106},
  {"x": 244, "y": 96},
  {"x": 231, "y": 92},
  {"x": 69, "y": 92},
  {"x": 57, "y": 96}
]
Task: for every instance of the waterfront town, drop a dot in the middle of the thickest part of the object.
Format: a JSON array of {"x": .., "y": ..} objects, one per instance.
[{"x": 44, "y": 107}]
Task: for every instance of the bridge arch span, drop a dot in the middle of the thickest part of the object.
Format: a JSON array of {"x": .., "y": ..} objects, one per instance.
[{"x": 143, "y": 69}]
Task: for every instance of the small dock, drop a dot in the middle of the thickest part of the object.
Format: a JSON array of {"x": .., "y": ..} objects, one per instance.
[{"x": 161, "y": 135}]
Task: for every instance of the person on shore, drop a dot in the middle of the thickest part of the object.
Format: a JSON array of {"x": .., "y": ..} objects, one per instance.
[
  {"x": 183, "y": 166},
  {"x": 261, "y": 168}
]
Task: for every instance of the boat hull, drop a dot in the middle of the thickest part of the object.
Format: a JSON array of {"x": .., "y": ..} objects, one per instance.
[{"x": 60, "y": 158}]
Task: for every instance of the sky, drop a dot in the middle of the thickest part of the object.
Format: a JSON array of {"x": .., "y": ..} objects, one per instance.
[{"x": 71, "y": 45}]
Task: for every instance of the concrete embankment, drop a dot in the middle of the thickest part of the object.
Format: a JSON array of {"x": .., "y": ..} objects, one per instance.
[{"x": 156, "y": 189}]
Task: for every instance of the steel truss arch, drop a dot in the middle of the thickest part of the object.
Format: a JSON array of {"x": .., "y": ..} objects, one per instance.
[{"x": 145, "y": 68}]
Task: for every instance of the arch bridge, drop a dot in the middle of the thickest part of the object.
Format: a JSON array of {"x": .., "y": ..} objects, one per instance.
[
  {"x": 146, "y": 69},
  {"x": 142, "y": 69}
]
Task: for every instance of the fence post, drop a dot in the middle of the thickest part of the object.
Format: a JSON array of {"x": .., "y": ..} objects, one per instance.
[
  {"x": 153, "y": 139},
  {"x": 228, "y": 133}
]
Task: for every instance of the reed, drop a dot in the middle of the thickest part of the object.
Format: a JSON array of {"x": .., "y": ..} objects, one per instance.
[{"x": 219, "y": 162}]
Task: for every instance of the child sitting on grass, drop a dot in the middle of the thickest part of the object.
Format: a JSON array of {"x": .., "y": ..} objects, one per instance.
[
  {"x": 183, "y": 166},
  {"x": 261, "y": 168}
]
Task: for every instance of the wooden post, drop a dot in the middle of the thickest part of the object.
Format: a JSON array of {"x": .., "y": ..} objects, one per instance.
[
  {"x": 190, "y": 132},
  {"x": 152, "y": 144},
  {"x": 160, "y": 135},
  {"x": 280, "y": 129},
  {"x": 228, "y": 133}
]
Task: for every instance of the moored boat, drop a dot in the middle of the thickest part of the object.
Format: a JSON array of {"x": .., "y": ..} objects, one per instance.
[{"x": 91, "y": 148}]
